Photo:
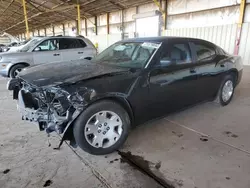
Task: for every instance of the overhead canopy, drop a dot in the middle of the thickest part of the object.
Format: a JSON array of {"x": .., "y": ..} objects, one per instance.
[{"x": 42, "y": 13}]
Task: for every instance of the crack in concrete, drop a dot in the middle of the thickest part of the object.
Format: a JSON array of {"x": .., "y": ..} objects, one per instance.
[
  {"x": 97, "y": 174},
  {"x": 148, "y": 168}
]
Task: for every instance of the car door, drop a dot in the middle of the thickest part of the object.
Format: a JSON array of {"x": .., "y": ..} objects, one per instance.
[
  {"x": 173, "y": 79},
  {"x": 73, "y": 49},
  {"x": 47, "y": 52},
  {"x": 208, "y": 69}
]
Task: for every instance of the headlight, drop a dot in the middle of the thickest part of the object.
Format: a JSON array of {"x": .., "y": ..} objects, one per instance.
[{"x": 0, "y": 57}]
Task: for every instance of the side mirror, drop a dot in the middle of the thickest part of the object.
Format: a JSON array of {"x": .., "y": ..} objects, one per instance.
[{"x": 37, "y": 49}]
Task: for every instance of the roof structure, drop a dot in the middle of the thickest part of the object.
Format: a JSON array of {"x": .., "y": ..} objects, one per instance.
[{"x": 42, "y": 13}]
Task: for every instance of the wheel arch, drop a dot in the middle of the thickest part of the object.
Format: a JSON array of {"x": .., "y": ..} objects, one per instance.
[
  {"x": 68, "y": 133},
  {"x": 20, "y": 63},
  {"x": 235, "y": 73}
]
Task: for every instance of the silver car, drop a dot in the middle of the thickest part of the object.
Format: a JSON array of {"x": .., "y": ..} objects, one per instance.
[{"x": 46, "y": 50}]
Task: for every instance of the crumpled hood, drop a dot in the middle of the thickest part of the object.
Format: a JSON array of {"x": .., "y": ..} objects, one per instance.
[{"x": 65, "y": 72}]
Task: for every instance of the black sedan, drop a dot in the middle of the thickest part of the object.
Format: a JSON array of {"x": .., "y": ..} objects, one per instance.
[{"x": 95, "y": 103}]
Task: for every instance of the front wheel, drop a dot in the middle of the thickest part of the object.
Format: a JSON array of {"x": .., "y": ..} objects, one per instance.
[
  {"x": 226, "y": 91},
  {"x": 16, "y": 69},
  {"x": 102, "y": 128}
]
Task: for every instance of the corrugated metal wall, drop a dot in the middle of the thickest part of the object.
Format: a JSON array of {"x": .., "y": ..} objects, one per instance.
[
  {"x": 224, "y": 36},
  {"x": 244, "y": 50}
]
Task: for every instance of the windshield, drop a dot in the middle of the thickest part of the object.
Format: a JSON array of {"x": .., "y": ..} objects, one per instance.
[
  {"x": 128, "y": 54},
  {"x": 30, "y": 44}
]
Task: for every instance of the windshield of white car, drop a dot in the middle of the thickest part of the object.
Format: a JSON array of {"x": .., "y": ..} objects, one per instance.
[
  {"x": 128, "y": 54},
  {"x": 30, "y": 45}
]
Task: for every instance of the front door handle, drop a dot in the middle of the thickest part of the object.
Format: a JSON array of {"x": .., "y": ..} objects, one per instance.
[
  {"x": 56, "y": 54},
  {"x": 80, "y": 52},
  {"x": 192, "y": 71}
]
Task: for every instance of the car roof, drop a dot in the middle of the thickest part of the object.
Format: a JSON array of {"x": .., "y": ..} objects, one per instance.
[
  {"x": 60, "y": 36},
  {"x": 161, "y": 39}
]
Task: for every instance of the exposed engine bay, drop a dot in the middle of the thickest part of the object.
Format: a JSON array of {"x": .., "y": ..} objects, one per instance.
[{"x": 53, "y": 108}]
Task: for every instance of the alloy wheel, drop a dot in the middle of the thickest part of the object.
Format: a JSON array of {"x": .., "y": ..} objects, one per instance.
[
  {"x": 227, "y": 90},
  {"x": 103, "y": 129}
]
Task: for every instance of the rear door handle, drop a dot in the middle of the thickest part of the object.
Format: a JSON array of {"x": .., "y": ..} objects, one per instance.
[
  {"x": 192, "y": 71},
  {"x": 56, "y": 54},
  {"x": 80, "y": 52}
]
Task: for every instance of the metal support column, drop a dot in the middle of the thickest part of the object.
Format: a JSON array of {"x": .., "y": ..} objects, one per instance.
[
  {"x": 78, "y": 20},
  {"x": 239, "y": 29},
  {"x": 86, "y": 27},
  {"x": 96, "y": 32},
  {"x": 122, "y": 27},
  {"x": 164, "y": 16},
  {"x": 26, "y": 19},
  {"x": 53, "y": 30},
  {"x": 108, "y": 26},
  {"x": 63, "y": 29}
]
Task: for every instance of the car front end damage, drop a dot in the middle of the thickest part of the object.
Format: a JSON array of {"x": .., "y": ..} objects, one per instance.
[{"x": 53, "y": 108}]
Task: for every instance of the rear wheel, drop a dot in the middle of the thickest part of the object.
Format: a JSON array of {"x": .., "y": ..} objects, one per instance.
[
  {"x": 102, "y": 128},
  {"x": 16, "y": 69},
  {"x": 226, "y": 91}
]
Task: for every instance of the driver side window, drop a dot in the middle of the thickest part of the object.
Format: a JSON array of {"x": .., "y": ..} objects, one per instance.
[
  {"x": 48, "y": 45},
  {"x": 177, "y": 53}
]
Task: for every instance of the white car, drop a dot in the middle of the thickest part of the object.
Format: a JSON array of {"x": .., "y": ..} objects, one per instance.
[
  {"x": 18, "y": 47},
  {"x": 46, "y": 50}
]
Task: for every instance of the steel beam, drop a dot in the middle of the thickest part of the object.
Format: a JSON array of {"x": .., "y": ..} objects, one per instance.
[{"x": 239, "y": 29}]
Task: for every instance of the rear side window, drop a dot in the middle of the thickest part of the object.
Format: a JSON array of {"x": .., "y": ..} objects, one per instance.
[
  {"x": 204, "y": 52},
  {"x": 82, "y": 43},
  {"x": 177, "y": 53},
  {"x": 67, "y": 43}
]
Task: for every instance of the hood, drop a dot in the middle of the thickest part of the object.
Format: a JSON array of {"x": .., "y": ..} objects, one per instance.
[
  {"x": 15, "y": 48},
  {"x": 57, "y": 73}
]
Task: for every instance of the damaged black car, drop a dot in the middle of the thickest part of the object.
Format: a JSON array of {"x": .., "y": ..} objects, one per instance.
[{"x": 94, "y": 103}]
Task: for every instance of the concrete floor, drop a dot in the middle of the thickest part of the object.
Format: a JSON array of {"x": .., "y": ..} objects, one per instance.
[{"x": 206, "y": 146}]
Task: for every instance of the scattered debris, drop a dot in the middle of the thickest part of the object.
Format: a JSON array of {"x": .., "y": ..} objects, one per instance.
[
  {"x": 182, "y": 148},
  {"x": 158, "y": 165},
  {"x": 230, "y": 134},
  {"x": 6, "y": 171},
  {"x": 234, "y": 135},
  {"x": 179, "y": 183},
  {"x": 47, "y": 183},
  {"x": 228, "y": 178},
  {"x": 113, "y": 160},
  {"x": 177, "y": 134},
  {"x": 204, "y": 138}
]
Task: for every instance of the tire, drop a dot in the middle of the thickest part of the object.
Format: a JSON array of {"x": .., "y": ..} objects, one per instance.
[
  {"x": 223, "y": 101},
  {"x": 86, "y": 122},
  {"x": 16, "y": 68}
]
